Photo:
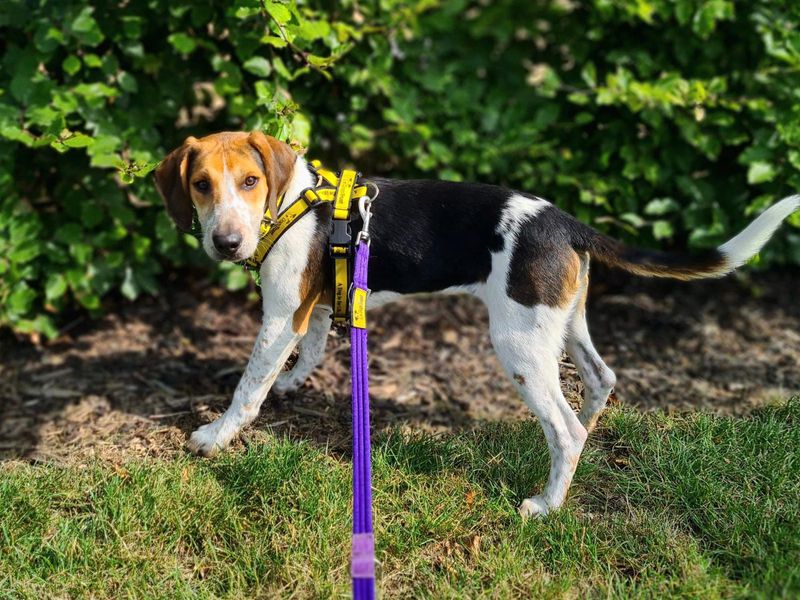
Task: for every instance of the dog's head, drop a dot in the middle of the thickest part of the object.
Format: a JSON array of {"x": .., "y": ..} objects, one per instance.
[{"x": 230, "y": 179}]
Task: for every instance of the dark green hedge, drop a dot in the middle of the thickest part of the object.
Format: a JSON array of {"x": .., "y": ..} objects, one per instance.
[{"x": 670, "y": 122}]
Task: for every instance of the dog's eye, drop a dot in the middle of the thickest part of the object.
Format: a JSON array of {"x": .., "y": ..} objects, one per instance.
[
  {"x": 250, "y": 181},
  {"x": 202, "y": 186}
]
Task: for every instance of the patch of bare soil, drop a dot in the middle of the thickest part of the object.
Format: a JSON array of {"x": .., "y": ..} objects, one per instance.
[{"x": 138, "y": 380}]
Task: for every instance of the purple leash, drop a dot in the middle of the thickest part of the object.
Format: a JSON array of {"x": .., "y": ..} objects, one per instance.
[{"x": 362, "y": 568}]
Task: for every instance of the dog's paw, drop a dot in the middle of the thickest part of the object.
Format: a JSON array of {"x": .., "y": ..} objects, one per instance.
[
  {"x": 534, "y": 507},
  {"x": 286, "y": 383},
  {"x": 205, "y": 441}
]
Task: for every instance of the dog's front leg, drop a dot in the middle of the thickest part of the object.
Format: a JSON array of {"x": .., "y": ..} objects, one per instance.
[{"x": 274, "y": 344}]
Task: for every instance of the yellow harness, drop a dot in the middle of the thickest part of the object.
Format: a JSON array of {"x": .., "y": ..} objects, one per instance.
[{"x": 340, "y": 189}]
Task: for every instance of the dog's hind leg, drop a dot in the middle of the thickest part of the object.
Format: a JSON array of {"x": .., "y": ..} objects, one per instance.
[
  {"x": 528, "y": 343},
  {"x": 311, "y": 350},
  {"x": 598, "y": 380}
]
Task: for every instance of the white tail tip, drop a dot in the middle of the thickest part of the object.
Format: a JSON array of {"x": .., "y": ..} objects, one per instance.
[{"x": 744, "y": 246}]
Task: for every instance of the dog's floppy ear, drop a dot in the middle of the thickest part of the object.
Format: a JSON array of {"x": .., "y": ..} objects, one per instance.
[
  {"x": 278, "y": 159},
  {"x": 172, "y": 181}
]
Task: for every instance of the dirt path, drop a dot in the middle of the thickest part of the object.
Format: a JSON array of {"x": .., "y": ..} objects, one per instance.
[{"x": 138, "y": 380}]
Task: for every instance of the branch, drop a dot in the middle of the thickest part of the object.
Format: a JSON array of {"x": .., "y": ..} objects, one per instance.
[{"x": 299, "y": 53}]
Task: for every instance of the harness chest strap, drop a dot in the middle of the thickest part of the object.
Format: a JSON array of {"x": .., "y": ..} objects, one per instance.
[
  {"x": 340, "y": 244},
  {"x": 340, "y": 190}
]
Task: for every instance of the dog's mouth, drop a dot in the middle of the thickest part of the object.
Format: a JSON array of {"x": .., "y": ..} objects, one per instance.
[
  {"x": 227, "y": 257},
  {"x": 234, "y": 255}
]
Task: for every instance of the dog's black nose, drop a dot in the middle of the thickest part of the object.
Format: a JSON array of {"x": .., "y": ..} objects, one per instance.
[{"x": 227, "y": 243}]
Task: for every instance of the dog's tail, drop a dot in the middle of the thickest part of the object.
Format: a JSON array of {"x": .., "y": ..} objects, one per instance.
[{"x": 700, "y": 265}]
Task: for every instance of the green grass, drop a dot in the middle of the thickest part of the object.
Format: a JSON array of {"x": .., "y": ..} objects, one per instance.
[{"x": 662, "y": 506}]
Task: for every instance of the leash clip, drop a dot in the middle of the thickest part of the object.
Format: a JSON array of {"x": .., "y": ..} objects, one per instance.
[{"x": 365, "y": 208}]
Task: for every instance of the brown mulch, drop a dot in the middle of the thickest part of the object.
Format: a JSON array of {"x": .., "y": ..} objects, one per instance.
[{"x": 138, "y": 380}]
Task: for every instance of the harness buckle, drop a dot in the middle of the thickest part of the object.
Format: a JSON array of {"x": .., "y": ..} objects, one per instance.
[{"x": 339, "y": 241}]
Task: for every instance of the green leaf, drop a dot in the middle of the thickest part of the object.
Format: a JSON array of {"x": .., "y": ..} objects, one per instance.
[
  {"x": 132, "y": 26},
  {"x": 92, "y": 61},
  {"x": 127, "y": 82},
  {"x": 662, "y": 230},
  {"x": 279, "y": 12},
  {"x": 71, "y": 65},
  {"x": 24, "y": 252},
  {"x": 313, "y": 30},
  {"x": 77, "y": 140},
  {"x": 55, "y": 287},
  {"x": 661, "y": 206},
  {"x": 760, "y": 172},
  {"x": 281, "y": 69},
  {"x": 589, "y": 74},
  {"x": 89, "y": 301},
  {"x": 275, "y": 41},
  {"x": 48, "y": 38},
  {"x": 258, "y": 65},
  {"x": 633, "y": 219},
  {"x": 245, "y": 12},
  {"x": 182, "y": 43},
  {"x": 19, "y": 302},
  {"x": 86, "y": 29},
  {"x": 684, "y": 10},
  {"x": 41, "y": 324},
  {"x": 44, "y": 116},
  {"x": 84, "y": 22}
]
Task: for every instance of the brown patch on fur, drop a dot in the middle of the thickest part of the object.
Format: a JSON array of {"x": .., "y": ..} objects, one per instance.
[
  {"x": 571, "y": 281},
  {"x": 548, "y": 275},
  {"x": 302, "y": 315},
  {"x": 520, "y": 379},
  {"x": 313, "y": 290},
  {"x": 580, "y": 305}
]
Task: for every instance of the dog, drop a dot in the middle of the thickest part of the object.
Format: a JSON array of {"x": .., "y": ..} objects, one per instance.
[{"x": 523, "y": 257}]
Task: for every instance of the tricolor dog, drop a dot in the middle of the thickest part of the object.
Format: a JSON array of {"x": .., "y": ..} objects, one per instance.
[{"x": 524, "y": 258}]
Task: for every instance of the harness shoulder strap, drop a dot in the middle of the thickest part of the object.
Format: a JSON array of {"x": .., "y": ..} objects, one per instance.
[{"x": 271, "y": 233}]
